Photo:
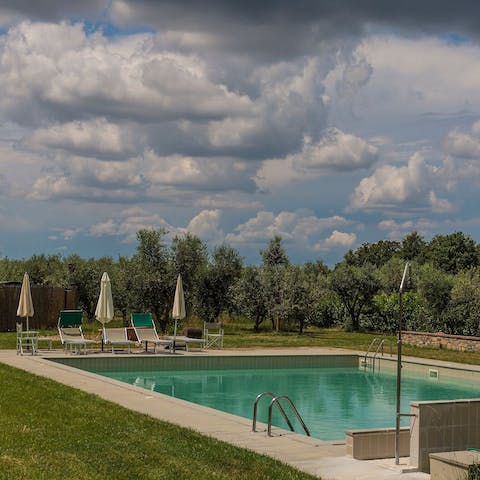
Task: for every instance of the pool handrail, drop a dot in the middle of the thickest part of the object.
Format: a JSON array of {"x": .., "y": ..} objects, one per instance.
[
  {"x": 275, "y": 401},
  {"x": 369, "y": 348},
  {"x": 380, "y": 346},
  {"x": 255, "y": 406}
]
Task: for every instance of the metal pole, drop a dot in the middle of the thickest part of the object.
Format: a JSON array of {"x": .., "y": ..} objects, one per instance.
[
  {"x": 175, "y": 336},
  {"x": 399, "y": 366},
  {"x": 399, "y": 376}
]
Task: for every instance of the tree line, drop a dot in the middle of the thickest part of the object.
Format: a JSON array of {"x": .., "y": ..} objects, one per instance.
[{"x": 359, "y": 293}]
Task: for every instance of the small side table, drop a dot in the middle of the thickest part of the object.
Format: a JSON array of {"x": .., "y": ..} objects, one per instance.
[
  {"x": 27, "y": 340},
  {"x": 45, "y": 339}
]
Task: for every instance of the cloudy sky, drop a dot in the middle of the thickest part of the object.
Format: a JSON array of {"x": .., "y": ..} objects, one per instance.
[{"x": 330, "y": 123}]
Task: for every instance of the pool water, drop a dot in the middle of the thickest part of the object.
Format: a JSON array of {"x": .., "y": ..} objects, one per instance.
[{"x": 330, "y": 400}]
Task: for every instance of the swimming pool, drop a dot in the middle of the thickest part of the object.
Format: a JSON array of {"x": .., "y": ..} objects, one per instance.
[{"x": 332, "y": 393}]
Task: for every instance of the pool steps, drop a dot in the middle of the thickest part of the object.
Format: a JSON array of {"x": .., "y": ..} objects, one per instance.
[
  {"x": 276, "y": 401},
  {"x": 364, "y": 362}
]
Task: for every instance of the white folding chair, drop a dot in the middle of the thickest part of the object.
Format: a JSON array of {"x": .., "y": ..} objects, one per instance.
[{"x": 213, "y": 335}]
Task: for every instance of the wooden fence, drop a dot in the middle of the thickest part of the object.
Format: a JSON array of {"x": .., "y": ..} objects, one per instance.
[{"x": 47, "y": 303}]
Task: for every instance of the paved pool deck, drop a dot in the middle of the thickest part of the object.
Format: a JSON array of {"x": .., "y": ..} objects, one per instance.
[{"x": 325, "y": 459}]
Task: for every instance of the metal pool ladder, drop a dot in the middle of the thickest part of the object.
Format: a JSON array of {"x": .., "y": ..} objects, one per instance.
[
  {"x": 380, "y": 346},
  {"x": 276, "y": 401}
]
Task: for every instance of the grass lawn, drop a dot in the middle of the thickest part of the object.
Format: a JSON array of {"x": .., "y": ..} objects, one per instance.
[{"x": 50, "y": 431}]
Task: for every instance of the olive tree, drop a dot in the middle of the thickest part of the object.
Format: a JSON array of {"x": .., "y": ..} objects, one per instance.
[
  {"x": 215, "y": 294},
  {"x": 154, "y": 284},
  {"x": 453, "y": 252},
  {"x": 275, "y": 261},
  {"x": 122, "y": 275},
  {"x": 435, "y": 286},
  {"x": 190, "y": 259},
  {"x": 355, "y": 287},
  {"x": 296, "y": 301},
  {"x": 463, "y": 312},
  {"x": 377, "y": 253},
  {"x": 250, "y": 295},
  {"x": 413, "y": 247}
]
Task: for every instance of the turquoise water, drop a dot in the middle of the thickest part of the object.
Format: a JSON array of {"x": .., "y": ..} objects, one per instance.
[{"x": 330, "y": 400}]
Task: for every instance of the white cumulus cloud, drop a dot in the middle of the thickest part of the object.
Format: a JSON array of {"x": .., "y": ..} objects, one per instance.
[
  {"x": 67, "y": 233},
  {"x": 300, "y": 226},
  {"x": 56, "y": 68},
  {"x": 402, "y": 83},
  {"x": 128, "y": 223},
  {"x": 396, "y": 230},
  {"x": 212, "y": 174},
  {"x": 289, "y": 105},
  {"x": 101, "y": 229},
  {"x": 335, "y": 152},
  {"x": 206, "y": 225},
  {"x": 409, "y": 187},
  {"x": 336, "y": 240},
  {"x": 464, "y": 145},
  {"x": 341, "y": 239},
  {"x": 88, "y": 179},
  {"x": 96, "y": 138}
]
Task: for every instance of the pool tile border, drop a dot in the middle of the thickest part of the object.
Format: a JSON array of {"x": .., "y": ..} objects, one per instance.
[{"x": 99, "y": 364}]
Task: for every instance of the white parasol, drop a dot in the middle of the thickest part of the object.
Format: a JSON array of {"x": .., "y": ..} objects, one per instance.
[
  {"x": 178, "y": 311},
  {"x": 25, "y": 305},
  {"x": 105, "y": 312}
]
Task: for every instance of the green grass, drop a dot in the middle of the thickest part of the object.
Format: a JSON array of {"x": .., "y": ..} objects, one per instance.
[{"x": 50, "y": 431}]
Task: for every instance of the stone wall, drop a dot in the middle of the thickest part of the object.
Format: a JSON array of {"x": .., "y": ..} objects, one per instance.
[{"x": 442, "y": 340}]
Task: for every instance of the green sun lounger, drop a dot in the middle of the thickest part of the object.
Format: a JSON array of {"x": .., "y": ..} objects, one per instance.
[
  {"x": 70, "y": 331},
  {"x": 146, "y": 332}
]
